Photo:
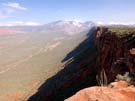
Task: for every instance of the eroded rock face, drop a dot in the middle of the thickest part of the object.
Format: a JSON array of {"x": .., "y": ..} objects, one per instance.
[
  {"x": 117, "y": 91},
  {"x": 116, "y": 55}
]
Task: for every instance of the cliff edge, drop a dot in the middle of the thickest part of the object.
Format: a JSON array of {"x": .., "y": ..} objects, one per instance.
[{"x": 96, "y": 61}]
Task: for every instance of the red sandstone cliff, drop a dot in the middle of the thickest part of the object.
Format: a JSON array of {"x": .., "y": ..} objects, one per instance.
[
  {"x": 102, "y": 51},
  {"x": 116, "y": 55}
]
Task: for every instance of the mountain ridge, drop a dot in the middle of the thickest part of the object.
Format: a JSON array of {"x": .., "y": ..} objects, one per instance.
[{"x": 69, "y": 27}]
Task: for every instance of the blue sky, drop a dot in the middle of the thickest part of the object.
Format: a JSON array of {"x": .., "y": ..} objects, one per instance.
[{"x": 43, "y": 11}]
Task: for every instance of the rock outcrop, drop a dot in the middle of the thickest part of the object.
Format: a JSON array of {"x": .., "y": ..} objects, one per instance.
[
  {"x": 116, "y": 91},
  {"x": 116, "y": 55}
]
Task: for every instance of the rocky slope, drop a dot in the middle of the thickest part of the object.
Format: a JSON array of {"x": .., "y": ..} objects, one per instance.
[{"x": 97, "y": 60}]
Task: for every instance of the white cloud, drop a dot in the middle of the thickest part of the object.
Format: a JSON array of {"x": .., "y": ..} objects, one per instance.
[
  {"x": 14, "y": 5},
  {"x": 29, "y": 23},
  {"x": 100, "y": 23},
  {"x": 122, "y": 23},
  {"x": 20, "y": 23},
  {"x": 8, "y": 9},
  {"x": 76, "y": 20},
  {"x": 115, "y": 23}
]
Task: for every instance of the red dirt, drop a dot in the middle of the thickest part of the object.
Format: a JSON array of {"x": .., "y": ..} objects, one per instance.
[
  {"x": 6, "y": 31},
  {"x": 15, "y": 96}
]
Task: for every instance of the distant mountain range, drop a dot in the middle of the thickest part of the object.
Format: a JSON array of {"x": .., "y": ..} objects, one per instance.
[{"x": 68, "y": 27}]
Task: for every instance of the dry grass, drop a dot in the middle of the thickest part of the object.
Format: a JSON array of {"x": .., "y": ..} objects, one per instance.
[{"x": 102, "y": 78}]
